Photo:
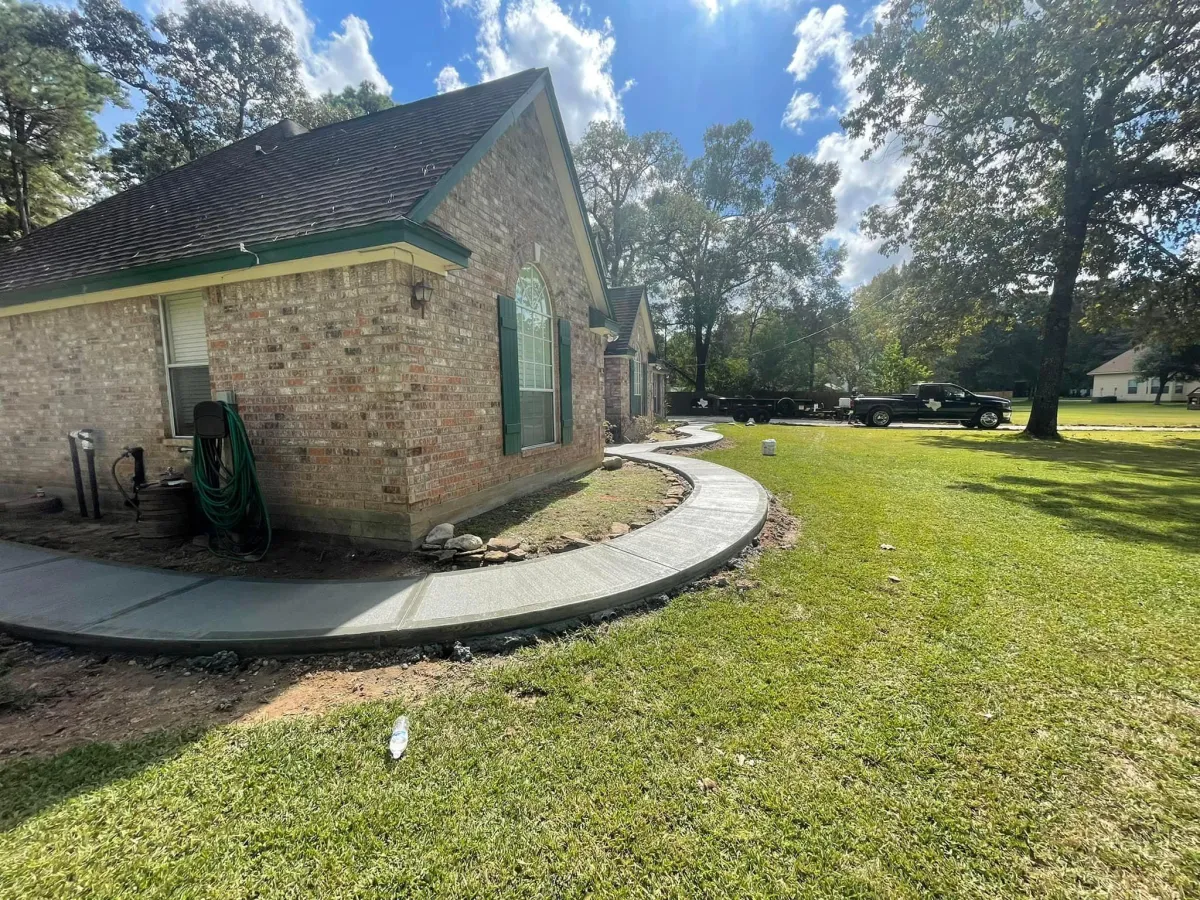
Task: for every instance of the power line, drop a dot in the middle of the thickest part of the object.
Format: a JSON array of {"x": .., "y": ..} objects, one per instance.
[{"x": 806, "y": 337}]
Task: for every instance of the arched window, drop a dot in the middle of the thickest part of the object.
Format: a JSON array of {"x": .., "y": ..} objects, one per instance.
[{"x": 535, "y": 357}]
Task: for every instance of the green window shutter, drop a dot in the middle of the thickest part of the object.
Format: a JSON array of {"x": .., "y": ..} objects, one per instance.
[
  {"x": 565, "y": 399},
  {"x": 510, "y": 382},
  {"x": 645, "y": 388},
  {"x": 632, "y": 395}
]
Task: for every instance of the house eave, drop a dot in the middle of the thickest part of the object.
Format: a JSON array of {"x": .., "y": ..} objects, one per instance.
[{"x": 400, "y": 239}]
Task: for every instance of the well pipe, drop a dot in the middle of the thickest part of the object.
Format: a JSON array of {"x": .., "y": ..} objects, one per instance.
[{"x": 78, "y": 475}]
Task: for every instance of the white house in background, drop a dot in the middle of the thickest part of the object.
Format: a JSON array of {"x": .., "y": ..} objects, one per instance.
[{"x": 1118, "y": 378}]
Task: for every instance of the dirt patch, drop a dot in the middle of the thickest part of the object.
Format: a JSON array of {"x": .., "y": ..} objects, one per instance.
[
  {"x": 52, "y": 699},
  {"x": 782, "y": 529},
  {"x": 635, "y": 494},
  {"x": 723, "y": 444}
]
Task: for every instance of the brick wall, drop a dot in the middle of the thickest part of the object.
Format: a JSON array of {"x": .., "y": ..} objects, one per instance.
[
  {"x": 319, "y": 364},
  {"x": 509, "y": 203},
  {"x": 97, "y": 366},
  {"x": 616, "y": 378},
  {"x": 367, "y": 419}
]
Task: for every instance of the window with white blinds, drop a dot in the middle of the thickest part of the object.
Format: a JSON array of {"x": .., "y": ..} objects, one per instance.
[{"x": 185, "y": 343}]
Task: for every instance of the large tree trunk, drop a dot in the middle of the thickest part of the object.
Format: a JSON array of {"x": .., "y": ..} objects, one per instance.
[
  {"x": 1056, "y": 329},
  {"x": 1162, "y": 386},
  {"x": 701, "y": 347}
]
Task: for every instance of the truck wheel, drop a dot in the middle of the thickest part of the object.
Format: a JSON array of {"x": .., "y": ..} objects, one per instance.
[
  {"x": 988, "y": 419},
  {"x": 786, "y": 407},
  {"x": 879, "y": 417},
  {"x": 763, "y": 416},
  {"x": 741, "y": 414},
  {"x": 967, "y": 423}
]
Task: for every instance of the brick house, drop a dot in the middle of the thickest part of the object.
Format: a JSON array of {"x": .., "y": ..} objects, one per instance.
[
  {"x": 634, "y": 382},
  {"x": 408, "y": 305}
]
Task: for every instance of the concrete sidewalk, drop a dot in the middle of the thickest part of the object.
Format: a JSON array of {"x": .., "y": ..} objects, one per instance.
[{"x": 78, "y": 601}]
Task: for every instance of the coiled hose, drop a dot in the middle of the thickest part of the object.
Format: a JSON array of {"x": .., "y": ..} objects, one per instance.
[{"x": 234, "y": 503}]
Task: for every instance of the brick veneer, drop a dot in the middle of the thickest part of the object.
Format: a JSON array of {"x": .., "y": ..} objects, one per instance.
[{"x": 368, "y": 419}]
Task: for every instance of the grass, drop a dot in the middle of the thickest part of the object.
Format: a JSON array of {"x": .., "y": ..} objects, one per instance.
[
  {"x": 589, "y": 504},
  {"x": 1084, "y": 412},
  {"x": 1017, "y": 714}
]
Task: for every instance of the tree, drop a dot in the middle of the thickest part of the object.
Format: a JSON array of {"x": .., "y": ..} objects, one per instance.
[
  {"x": 895, "y": 371},
  {"x": 48, "y": 139},
  {"x": 1168, "y": 362},
  {"x": 220, "y": 72},
  {"x": 1048, "y": 142},
  {"x": 351, "y": 103},
  {"x": 732, "y": 217},
  {"x": 617, "y": 171}
]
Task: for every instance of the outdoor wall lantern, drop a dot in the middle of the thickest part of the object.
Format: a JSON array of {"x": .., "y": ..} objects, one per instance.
[{"x": 422, "y": 293}]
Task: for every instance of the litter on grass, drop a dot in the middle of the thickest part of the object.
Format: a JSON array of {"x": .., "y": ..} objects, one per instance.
[{"x": 399, "y": 742}]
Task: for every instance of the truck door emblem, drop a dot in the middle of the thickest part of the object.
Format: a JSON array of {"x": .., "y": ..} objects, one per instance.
[{"x": 935, "y": 405}]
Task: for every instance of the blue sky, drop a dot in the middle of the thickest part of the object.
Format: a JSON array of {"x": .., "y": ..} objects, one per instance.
[{"x": 674, "y": 65}]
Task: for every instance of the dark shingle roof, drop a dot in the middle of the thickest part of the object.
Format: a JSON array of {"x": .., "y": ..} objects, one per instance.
[
  {"x": 625, "y": 302},
  {"x": 370, "y": 169}
]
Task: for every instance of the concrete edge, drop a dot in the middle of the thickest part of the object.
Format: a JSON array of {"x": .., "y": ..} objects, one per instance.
[{"x": 285, "y": 643}]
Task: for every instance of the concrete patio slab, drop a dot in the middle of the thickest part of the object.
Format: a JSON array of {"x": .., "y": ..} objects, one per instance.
[
  {"x": 266, "y": 614},
  {"x": 75, "y": 594},
  {"x": 18, "y": 556},
  {"x": 73, "y": 600}
]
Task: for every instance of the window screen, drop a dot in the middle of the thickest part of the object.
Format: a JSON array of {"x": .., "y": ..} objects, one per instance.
[{"x": 187, "y": 358}]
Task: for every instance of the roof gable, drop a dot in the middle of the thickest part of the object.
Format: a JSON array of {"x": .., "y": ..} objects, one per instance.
[
  {"x": 281, "y": 185},
  {"x": 628, "y": 304},
  {"x": 1122, "y": 364}
]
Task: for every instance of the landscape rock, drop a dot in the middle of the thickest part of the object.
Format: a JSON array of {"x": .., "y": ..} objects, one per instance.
[
  {"x": 616, "y": 529},
  {"x": 464, "y": 542},
  {"x": 440, "y": 534},
  {"x": 220, "y": 663},
  {"x": 636, "y": 525},
  {"x": 461, "y": 653},
  {"x": 575, "y": 539},
  {"x": 504, "y": 543},
  {"x": 495, "y": 556},
  {"x": 469, "y": 560},
  {"x": 612, "y": 463},
  {"x": 517, "y": 554}
]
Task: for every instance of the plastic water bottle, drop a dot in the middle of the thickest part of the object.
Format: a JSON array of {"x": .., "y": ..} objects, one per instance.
[{"x": 399, "y": 742}]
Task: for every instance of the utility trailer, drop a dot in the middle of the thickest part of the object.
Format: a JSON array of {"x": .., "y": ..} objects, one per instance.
[{"x": 761, "y": 409}]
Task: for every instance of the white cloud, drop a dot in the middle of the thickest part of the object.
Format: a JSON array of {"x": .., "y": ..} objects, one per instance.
[
  {"x": 448, "y": 80},
  {"x": 821, "y": 35},
  {"x": 713, "y": 8},
  {"x": 329, "y": 63},
  {"x": 863, "y": 183},
  {"x": 800, "y": 110},
  {"x": 523, "y": 34}
]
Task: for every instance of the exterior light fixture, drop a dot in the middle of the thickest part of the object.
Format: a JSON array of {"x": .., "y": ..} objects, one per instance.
[{"x": 422, "y": 293}]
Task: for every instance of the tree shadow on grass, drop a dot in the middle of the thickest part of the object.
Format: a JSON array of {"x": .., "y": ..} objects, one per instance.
[
  {"x": 1178, "y": 458},
  {"x": 32, "y": 785},
  {"x": 1140, "y": 493}
]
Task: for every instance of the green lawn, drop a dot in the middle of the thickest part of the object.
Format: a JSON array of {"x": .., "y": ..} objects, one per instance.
[
  {"x": 1084, "y": 412},
  {"x": 1018, "y": 715}
]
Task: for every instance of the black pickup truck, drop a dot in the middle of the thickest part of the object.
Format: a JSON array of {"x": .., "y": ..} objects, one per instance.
[{"x": 928, "y": 402}]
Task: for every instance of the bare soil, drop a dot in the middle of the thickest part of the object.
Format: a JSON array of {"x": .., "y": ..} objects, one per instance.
[{"x": 52, "y": 698}]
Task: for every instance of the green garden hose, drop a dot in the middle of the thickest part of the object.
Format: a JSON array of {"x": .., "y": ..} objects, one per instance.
[{"x": 229, "y": 495}]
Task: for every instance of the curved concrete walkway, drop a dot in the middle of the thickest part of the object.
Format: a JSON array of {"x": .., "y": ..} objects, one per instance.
[{"x": 50, "y": 596}]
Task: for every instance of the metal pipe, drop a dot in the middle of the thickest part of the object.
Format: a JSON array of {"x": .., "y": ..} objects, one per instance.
[
  {"x": 87, "y": 438},
  {"x": 78, "y": 475}
]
